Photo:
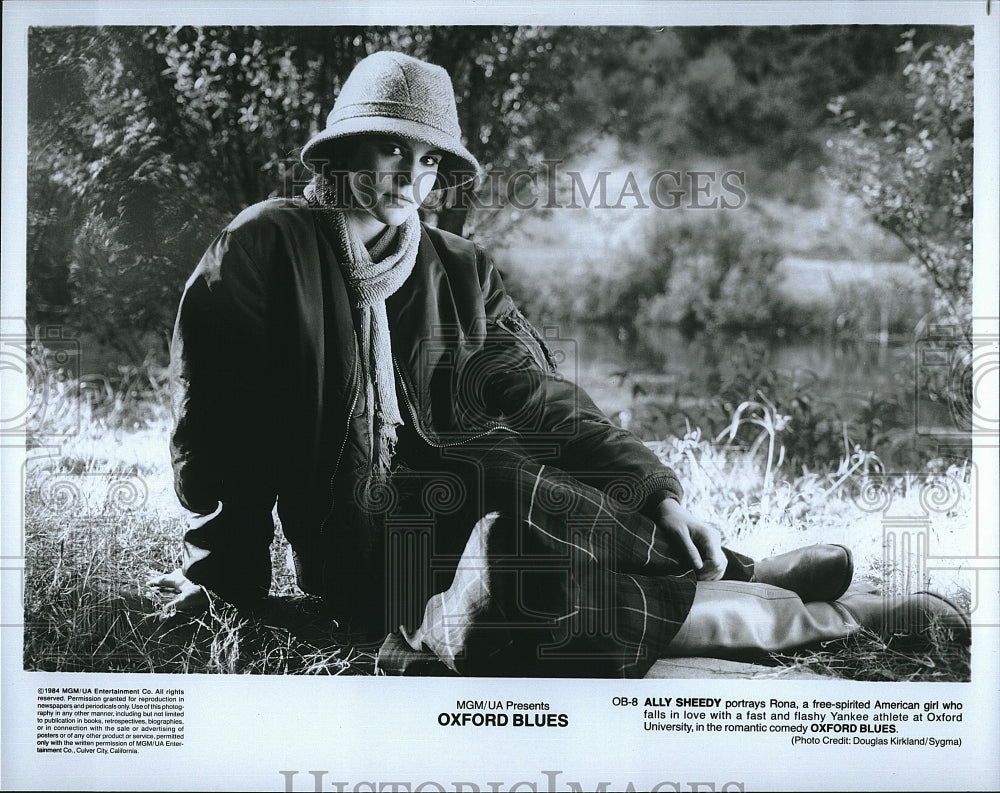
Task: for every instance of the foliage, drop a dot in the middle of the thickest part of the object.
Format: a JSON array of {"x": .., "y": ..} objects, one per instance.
[
  {"x": 755, "y": 96},
  {"x": 74, "y": 407},
  {"x": 784, "y": 419},
  {"x": 696, "y": 272},
  {"x": 144, "y": 142},
  {"x": 914, "y": 174},
  {"x": 722, "y": 276},
  {"x": 760, "y": 414},
  {"x": 155, "y": 138},
  {"x": 811, "y": 428},
  {"x": 867, "y": 657},
  {"x": 864, "y": 309},
  {"x": 85, "y": 608}
]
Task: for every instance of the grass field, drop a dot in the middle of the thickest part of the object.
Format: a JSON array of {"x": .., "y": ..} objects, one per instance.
[{"x": 100, "y": 515}]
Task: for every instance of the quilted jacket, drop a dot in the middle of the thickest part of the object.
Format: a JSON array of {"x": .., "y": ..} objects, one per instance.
[{"x": 266, "y": 392}]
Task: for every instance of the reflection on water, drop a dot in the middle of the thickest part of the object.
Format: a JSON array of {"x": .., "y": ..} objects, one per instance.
[
  {"x": 660, "y": 382},
  {"x": 615, "y": 365}
]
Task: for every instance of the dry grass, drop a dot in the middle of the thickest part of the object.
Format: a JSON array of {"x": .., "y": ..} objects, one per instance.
[
  {"x": 94, "y": 533},
  {"x": 100, "y": 515},
  {"x": 895, "y": 524}
]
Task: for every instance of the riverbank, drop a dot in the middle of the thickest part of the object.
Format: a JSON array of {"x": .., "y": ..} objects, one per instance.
[{"x": 101, "y": 515}]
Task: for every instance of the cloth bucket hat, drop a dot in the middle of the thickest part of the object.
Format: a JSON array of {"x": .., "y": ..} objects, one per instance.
[{"x": 395, "y": 94}]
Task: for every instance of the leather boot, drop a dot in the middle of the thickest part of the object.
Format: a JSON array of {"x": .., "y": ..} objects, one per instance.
[
  {"x": 738, "y": 619},
  {"x": 735, "y": 619},
  {"x": 915, "y": 614},
  {"x": 817, "y": 572}
]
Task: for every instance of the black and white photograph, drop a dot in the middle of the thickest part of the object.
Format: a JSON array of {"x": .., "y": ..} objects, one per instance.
[{"x": 493, "y": 392}]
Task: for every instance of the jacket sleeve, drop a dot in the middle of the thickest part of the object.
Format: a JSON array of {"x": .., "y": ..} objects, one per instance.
[
  {"x": 223, "y": 444},
  {"x": 519, "y": 385}
]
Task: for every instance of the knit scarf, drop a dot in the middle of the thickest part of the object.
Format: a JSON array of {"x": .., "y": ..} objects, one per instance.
[{"x": 371, "y": 277}]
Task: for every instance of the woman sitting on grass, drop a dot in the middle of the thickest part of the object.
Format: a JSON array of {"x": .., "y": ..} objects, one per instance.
[{"x": 435, "y": 476}]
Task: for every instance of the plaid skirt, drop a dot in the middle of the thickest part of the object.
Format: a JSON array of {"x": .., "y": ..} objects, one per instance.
[{"x": 499, "y": 564}]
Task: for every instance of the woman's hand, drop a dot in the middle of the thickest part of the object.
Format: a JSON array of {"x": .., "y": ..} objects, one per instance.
[
  {"x": 189, "y": 597},
  {"x": 702, "y": 542}
]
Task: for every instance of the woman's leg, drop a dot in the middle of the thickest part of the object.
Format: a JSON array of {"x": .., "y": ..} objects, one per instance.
[
  {"x": 734, "y": 619},
  {"x": 730, "y": 619},
  {"x": 518, "y": 606},
  {"x": 816, "y": 572},
  {"x": 559, "y": 579}
]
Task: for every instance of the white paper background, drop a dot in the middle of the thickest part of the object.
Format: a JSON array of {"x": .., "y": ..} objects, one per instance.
[{"x": 367, "y": 732}]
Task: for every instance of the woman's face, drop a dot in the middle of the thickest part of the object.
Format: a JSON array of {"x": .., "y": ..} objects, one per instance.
[{"x": 390, "y": 176}]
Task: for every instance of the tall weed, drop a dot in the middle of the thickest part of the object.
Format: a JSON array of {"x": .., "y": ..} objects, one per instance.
[
  {"x": 787, "y": 418},
  {"x": 97, "y": 521}
]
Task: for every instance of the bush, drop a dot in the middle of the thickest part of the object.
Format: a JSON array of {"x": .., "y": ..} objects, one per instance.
[
  {"x": 719, "y": 276},
  {"x": 915, "y": 175},
  {"x": 694, "y": 271},
  {"x": 783, "y": 418}
]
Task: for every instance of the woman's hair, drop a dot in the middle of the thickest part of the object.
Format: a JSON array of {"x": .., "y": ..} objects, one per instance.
[
  {"x": 333, "y": 159},
  {"x": 330, "y": 163},
  {"x": 334, "y": 156}
]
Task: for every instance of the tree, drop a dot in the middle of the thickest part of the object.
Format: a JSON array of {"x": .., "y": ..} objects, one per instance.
[
  {"x": 143, "y": 142},
  {"x": 915, "y": 175},
  {"x": 756, "y": 96},
  {"x": 153, "y": 138}
]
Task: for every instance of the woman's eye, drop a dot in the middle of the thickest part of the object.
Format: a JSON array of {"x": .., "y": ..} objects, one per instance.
[{"x": 432, "y": 161}]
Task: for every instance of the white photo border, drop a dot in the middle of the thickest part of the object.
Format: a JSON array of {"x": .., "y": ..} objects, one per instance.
[{"x": 295, "y": 733}]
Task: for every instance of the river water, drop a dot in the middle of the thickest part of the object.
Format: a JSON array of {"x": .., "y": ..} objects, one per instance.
[
  {"x": 629, "y": 372},
  {"x": 613, "y": 363}
]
